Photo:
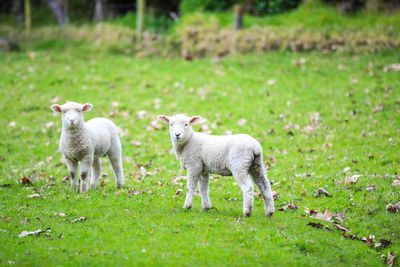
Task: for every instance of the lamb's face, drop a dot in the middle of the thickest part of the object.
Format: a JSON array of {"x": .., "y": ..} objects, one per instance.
[
  {"x": 72, "y": 113},
  {"x": 180, "y": 126}
]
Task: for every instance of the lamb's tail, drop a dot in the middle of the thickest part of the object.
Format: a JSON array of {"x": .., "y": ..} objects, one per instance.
[{"x": 258, "y": 165}]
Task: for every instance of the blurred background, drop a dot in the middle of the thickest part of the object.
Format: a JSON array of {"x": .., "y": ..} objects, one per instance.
[{"x": 197, "y": 28}]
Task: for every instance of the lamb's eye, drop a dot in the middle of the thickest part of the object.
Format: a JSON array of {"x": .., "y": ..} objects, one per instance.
[
  {"x": 172, "y": 124},
  {"x": 78, "y": 110},
  {"x": 64, "y": 112},
  {"x": 186, "y": 124}
]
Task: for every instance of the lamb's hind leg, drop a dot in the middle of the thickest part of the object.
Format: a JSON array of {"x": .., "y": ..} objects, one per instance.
[
  {"x": 247, "y": 187},
  {"x": 96, "y": 170},
  {"x": 203, "y": 187},
  {"x": 115, "y": 156},
  {"x": 257, "y": 172}
]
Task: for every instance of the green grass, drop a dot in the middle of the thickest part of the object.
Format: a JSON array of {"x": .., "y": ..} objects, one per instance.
[{"x": 151, "y": 228}]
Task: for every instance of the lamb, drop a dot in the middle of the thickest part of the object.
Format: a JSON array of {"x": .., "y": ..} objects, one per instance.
[
  {"x": 201, "y": 154},
  {"x": 86, "y": 142}
]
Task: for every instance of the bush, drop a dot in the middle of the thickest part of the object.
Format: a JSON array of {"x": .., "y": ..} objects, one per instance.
[
  {"x": 258, "y": 7},
  {"x": 261, "y": 7}
]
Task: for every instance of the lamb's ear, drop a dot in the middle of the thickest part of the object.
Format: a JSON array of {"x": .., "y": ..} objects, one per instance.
[
  {"x": 163, "y": 118},
  {"x": 87, "y": 107},
  {"x": 56, "y": 108},
  {"x": 195, "y": 119}
]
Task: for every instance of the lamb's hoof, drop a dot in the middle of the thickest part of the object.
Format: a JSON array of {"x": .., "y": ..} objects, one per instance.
[
  {"x": 247, "y": 213},
  {"x": 206, "y": 208},
  {"x": 120, "y": 186},
  {"x": 269, "y": 213},
  {"x": 187, "y": 207}
]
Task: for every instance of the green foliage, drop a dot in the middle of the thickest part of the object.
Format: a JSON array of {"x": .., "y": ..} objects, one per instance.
[
  {"x": 157, "y": 23},
  {"x": 271, "y": 91},
  {"x": 262, "y": 7},
  {"x": 188, "y": 6}
]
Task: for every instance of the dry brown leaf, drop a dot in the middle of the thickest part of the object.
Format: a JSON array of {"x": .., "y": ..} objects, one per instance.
[
  {"x": 25, "y": 180},
  {"x": 394, "y": 208},
  {"x": 370, "y": 187},
  {"x": 290, "y": 206},
  {"x": 178, "y": 192},
  {"x": 133, "y": 192},
  {"x": 327, "y": 216},
  {"x": 383, "y": 243},
  {"x": 390, "y": 259},
  {"x": 27, "y": 233},
  {"x": 322, "y": 191}
]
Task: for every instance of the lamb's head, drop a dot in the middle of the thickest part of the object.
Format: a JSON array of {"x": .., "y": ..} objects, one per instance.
[
  {"x": 72, "y": 113},
  {"x": 180, "y": 126}
]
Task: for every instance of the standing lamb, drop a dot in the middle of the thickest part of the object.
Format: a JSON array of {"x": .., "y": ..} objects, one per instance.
[
  {"x": 86, "y": 143},
  {"x": 200, "y": 154}
]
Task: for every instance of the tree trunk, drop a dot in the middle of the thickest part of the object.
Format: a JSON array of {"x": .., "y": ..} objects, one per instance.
[
  {"x": 140, "y": 13},
  {"x": 28, "y": 17},
  {"x": 98, "y": 11},
  {"x": 59, "y": 8},
  {"x": 238, "y": 20},
  {"x": 18, "y": 12}
]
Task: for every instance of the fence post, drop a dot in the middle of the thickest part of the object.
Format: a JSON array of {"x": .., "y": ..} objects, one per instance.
[
  {"x": 237, "y": 25},
  {"x": 140, "y": 16},
  {"x": 28, "y": 18}
]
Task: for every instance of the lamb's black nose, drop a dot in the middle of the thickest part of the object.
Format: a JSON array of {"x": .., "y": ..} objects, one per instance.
[{"x": 177, "y": 135}]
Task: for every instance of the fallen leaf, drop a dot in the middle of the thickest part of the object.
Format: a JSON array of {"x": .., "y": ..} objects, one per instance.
[
  {"x": 327, "y": 216},
  {"x": 290, "y": 206},
  {"x": 396, "y": 182},
  {"x": 59, "y": 214},
  {"x": 390, "y": 259},
  {"x": 80, "y": 219},
  {"x": 274, "y": 194},
  {"x": 378, "y": 108},
  {"x": 352, "y": 179},
  {"x": 178, "y": 192},
  {"x": 368, "y": 240},
  {"x": 25, "y": 180},
  {"x": 370, "y": 187},
  {"x": 322, "y": 191},
  {"x": 154, "y": 125},
  {"x": 241, "y": 122},
  {"x": 6, "y": 219},
  {"x": 142, "y": 114},
  {"x": 346, "y": 169},
  {"x": 394, "y": 208},
  {"x": 383, "y": 243},
  {"x": 340, "y": 227},
  {"x": 315, "y": 225},
  {"x": 136, "y": 143},
  {"x": 26, "y": 233},
  {"x": 310, "y": 211},
  {"x": 34, "y": 196}
]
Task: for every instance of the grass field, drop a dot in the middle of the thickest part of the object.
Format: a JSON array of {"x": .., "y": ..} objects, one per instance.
[{"x": 314, "y": 115}]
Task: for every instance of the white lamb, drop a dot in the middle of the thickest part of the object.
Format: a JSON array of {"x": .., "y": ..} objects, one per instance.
[
  {"x": 201, "y": 154},
  {"x": 86, "y": 143}
]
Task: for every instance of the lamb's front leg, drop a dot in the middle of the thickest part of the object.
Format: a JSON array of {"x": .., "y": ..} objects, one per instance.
[
  {"x": 86, "y": 165},
  {"x": 203, "y": 186},
  {"x": 72, "y": 166},
  {"x": 191, "y": 187}
]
